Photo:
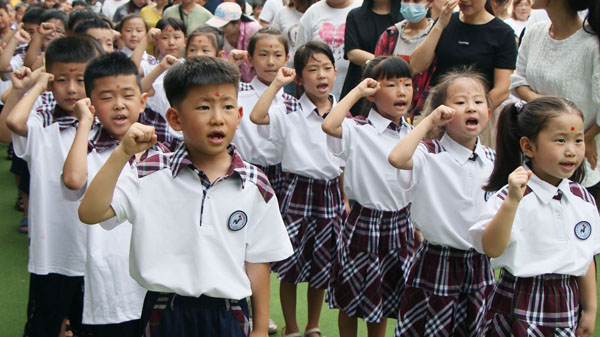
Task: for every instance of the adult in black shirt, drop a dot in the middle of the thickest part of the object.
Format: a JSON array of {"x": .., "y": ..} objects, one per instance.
[
  {"x": 364, "y": 25},
  {"x": 473, "y": 37}
]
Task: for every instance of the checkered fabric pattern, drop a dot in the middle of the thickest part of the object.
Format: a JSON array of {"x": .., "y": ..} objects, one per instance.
[
  {"x": 313, "y": 211},
  {"x": 161, "y": 128},
  {"x": 46, "y": 109},
  {"x": 276, "y": 178},
  {"x": 446, "y": 293},
  {"x": 547, "y": 305},
  {"x": 373, "y": 260}
]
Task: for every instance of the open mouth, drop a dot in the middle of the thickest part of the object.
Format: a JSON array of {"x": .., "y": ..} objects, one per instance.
[
  {"x": 216, "y": 137},
  {"x": 568, "y": 166},
  {"x": 120, "y": 119},
  {"x": 400, "y": 105},
  {"x": 472, "y": 122},
  {"x": 322, "y": 87}
]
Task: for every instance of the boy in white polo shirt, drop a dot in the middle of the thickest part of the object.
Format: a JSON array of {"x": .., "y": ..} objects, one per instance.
[{"x": 205, "y": 223}]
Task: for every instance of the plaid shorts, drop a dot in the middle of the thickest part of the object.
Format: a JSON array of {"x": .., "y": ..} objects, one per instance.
[
  {"x": 373, "y": 259},
  {"x": 171, "y": 315},
  {"x": 519, "y": 306},
  {"x": 313, "y": 211}
]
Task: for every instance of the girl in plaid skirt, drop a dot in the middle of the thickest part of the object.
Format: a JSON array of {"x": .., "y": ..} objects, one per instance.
[
  {"x": 542, "y": 230},
  {"x": 448, "y": 284},
  {"x": 313, "y": 206},
  {"x": 376, "y": 245}
]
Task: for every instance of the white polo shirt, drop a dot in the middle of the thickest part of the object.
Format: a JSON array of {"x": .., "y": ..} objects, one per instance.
[
  {"x": 147, "y": 63},
  {"x": 548, "y": 236},
  {"x": 191, "y": 237},
  {"x": 368, "y": 176},
  {"x": 251, "y": 146},
  {"x": 57, "y": 238},
  {"x": 111, "y": 295},
  {"x": 446, "y": 190},
  {"x": 295, "y": 129}
]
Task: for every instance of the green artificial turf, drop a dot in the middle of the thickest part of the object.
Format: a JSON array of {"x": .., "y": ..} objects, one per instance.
[{"x": 14, "y": 279}]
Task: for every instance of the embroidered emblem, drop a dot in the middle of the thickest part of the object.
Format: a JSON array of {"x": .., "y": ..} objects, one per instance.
[
  {"x": 583, "y": 230},
  {"x": 237, "y": 220}
]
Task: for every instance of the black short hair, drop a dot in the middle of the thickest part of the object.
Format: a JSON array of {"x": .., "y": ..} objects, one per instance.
[
  {"x": 176, "y": 23},
  {"x": 83, "y": 26},
  {"x": 80, "y": 3},
  {"x": 33, "y": 14},
  {"x": 195, "y": 72},
  {"x": 112, "y": 64},
  {"x": 265, "y": 32},
  {"x": 54, "y": 14},
  {"x": 215, "y": 35},
  {"x": 4, "y": 5},
  {"x": 69, "y": 49},
  {"x": 79, "y": 15}
]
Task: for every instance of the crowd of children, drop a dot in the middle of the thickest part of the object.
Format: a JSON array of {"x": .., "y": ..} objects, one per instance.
[{"x": 167, "y": 171}]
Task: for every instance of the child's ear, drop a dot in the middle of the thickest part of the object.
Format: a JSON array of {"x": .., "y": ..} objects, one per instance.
[
  {"x": 490, "y": 113},
  {"x": 371, "y": 98},
  {"x": 298, "y": 80},
  {"x": 527, "y": 146},
  {"x": 221, "y": 54},
  {"x": 240, "y": 115},
  {"x": 143, "y": 99},
  {"x": 174, "y": 119}
]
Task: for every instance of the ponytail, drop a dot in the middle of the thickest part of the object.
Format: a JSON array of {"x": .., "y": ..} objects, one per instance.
[
  {"x": 508, "y": 148},
  {"x": 524, "y": 120}
]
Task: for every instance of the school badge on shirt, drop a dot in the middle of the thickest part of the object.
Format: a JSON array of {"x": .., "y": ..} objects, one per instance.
[
  {"x": 237, "y": 220},
  {"x": 583, "y": 230}
]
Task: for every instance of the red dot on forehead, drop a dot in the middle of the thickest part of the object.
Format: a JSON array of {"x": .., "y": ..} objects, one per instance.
[
  {"x": 572, "y": 129},
  {"x": 199, "y": 41},
  {"x": 72, "y": 70},
  {"x": 270, "y": 46},
  {"x": 217, "y": 94},
  {"x": 118, "y": 86}
]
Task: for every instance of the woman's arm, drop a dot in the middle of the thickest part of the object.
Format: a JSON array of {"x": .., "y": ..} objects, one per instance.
[
  {"x": 422, "y": 57},
  {"x": 501, "y": 88}
]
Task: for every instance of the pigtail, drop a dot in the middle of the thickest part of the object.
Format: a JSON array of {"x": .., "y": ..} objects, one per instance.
[{"x": 508, "y": 148}]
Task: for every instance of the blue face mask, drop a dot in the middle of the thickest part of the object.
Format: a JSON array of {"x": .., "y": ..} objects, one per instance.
[{"x": 413, "y": 12}]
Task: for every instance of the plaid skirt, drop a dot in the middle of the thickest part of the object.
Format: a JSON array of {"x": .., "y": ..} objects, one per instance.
[
  {"x": 313, "y": 211},
  {"x": 373, "y": 259},
  {"x": 446, "y": 293},
  {"x": 545, "y": 305},
  {"x": 171, "y": 315},
  {"x": 276, "y": 179}
]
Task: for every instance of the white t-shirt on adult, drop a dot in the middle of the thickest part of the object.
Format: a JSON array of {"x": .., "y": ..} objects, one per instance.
[
  {"x": 270, "y": 9},
  {"x": 287, "y": 21},
  {"x": 575, "y": 75},
  {"x": 326, "y": 24},
  {"x": 109, "y": 7}
]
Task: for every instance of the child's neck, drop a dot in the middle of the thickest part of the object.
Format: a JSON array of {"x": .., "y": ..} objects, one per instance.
[
  {"x": 323, "y": 104},
  {"x": 213, "y": 166},
  {"x": 233, "y": 37},
  {"x": 468, "y": 142},
  {"x": 341, "y": 5},
  {"x": 187, "y": 7}
]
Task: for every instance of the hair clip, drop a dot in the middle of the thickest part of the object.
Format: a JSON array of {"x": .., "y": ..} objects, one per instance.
[{"x": 519, "y": 105}]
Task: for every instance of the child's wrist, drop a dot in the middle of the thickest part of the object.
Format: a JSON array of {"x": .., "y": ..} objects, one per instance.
[{"x": 122, "y": 153}]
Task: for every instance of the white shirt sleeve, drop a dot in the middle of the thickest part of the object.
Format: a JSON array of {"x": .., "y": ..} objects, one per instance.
[
  {"x": 270, "y": 9},
  {"x": 268, "y": 240},
  {"x": 123, "y": 202},
  {"x": 340, "y": 147},
  {"x": 278, "y": 123},
  {"x": 519, "y": 77},
  {"x": 23, "y": 145},
  {"x": 486, "y": 216}
]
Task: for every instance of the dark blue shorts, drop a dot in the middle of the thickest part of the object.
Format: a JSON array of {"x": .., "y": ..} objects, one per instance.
[{"x": 171, "y": 315}]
